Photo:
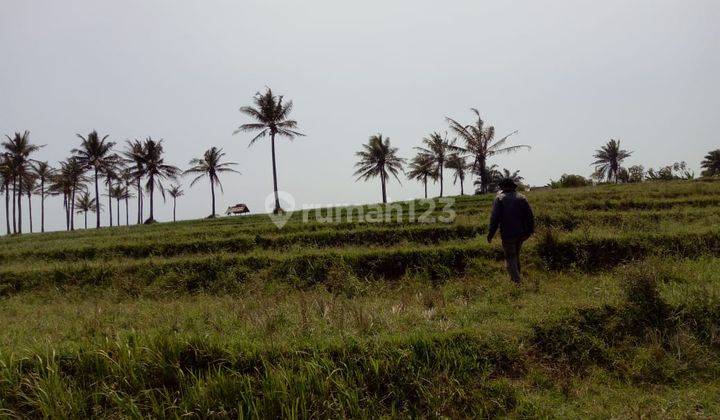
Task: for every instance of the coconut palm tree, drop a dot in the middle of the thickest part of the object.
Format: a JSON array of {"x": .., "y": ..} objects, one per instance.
[
  {"x": 121, "y": 192},
  {"x": 608, "y": 160},
  {"x": 422, "y": 167},
  {"x": 496, "y": 175},
  {"x": 210, "y": 165},
  {"x": 95, "y": 153},
  {"x": 67, "y": 181},
  {"x": 460, "y": 167},
  {"x": 438, "y": 148},
  {"x": 61, "y": 185},
  {"x": 19, "y": 149},
  {"x": 480, "y": 145},
  {"x": 175, "y": 191},
  {"x": 44, "y": 173},
  {"x": 156, "y": 170},
  {"x": 378, "y": 159},
  {"x": 134, "y": 156},
  {"x": 271, "y": 116},
  {"x": 513, "y": 175},
  {"x": 84, "y": 204},
  {"x": 711, "y": 164}
]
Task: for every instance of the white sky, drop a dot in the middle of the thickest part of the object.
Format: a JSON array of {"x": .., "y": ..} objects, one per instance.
[{"x": 568, "y": 75}]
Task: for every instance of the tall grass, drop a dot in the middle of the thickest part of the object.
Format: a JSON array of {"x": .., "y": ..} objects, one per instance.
[{"x": 232, "y": 317}]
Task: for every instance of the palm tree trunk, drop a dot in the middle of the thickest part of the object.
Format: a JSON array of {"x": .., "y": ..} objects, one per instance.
[
  {"x": 275, "y": 187},
  {"x": 29, "y": 195},
  {"x": 85, "y": 218},
  {"x": 152, "y": 191},
  {"x": 212, "y": 192},
  {"x": 483, "y": 176},
  {"x": 174, "y": 207},
  {"x": 42, "y": 206},
  {"x": 72, "y": 208},
  {"x": 441, "y": 179},
  {"x": 127, "y": 211},
  {"x": 7, "y": 207},
  {"x": 462, "y": 185},
  {"x": 382, "y": 182},
  {"x": 110, "y": 203},
  {"x": 67, "y": 211},
  {"x": 139, "y": 197},
  {"x": 118, "y": 211},
  {"x": 97, "y": 200},
  {"x": 425, "y": 185},
  {"x": 19, "y": 205},
  {"x": 14, "y": 190}
]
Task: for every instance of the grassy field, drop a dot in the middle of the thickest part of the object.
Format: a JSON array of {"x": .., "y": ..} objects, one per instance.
[{"x": 619, "y": 314}]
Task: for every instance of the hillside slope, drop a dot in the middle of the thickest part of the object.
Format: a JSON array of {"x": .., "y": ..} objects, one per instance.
[{"x": 619, "y": 314}]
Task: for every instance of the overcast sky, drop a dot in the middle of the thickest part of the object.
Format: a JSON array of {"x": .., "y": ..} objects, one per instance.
[{"x": 569, "y": 75}]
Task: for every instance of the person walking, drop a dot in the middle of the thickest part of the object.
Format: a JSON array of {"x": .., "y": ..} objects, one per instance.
[{"x": 511, "y": 213}]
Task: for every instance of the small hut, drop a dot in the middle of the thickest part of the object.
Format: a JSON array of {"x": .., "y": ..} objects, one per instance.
[{"x": 237, "y": 209}]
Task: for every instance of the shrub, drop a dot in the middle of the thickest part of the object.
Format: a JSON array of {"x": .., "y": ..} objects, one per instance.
[{"x": 570, "y": 181}]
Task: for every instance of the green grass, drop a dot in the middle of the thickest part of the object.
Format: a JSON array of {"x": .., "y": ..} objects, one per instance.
[{"x": 618, "y": 316}]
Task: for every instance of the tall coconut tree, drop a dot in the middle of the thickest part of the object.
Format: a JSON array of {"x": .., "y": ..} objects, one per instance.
[
  {"x": 114, "y": 193},
  {"x": 421, "y": 168},
  {"x": 19, "y": 149},
  {"x": 457, "y": 163},
  {"x": 95, "y": 153},
  {"x": 271, "y": 117},
  {"x": 175, "y": 192},
  {"x": 68, "y": 180},
  {"x": 496, "y": 175},
  {"x": 438, "y": 149},
  {"x": 84, "y": 204},
  {"x": 62, "y": 185},
  {"x": 134, "y": 154},
  {"x": 121, "y": 192},
  {"x": 155, "y": 170},
  {"x": 480, "y": 144},
  {"x": 44, "y": 173},
  {"x": 378, "y": 159},
  {"x": 711, "y": 164},
  {"x": 211, "y": 166},
  {"x": 609, "y": 159}
]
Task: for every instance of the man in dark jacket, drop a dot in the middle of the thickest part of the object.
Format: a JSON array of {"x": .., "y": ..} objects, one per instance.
[{"x": 511, "y": 212}]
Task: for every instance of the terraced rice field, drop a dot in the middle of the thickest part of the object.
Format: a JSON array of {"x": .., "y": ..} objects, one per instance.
[{"x": 619, "y": 314}]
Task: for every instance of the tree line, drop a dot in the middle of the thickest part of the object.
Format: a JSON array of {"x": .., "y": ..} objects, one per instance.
[
  {"x": 139, "y": 169},
  {"x": 608, "y": 168},
  {"x": 136, "y": 171},
  {"x": 466, "y": 154}
]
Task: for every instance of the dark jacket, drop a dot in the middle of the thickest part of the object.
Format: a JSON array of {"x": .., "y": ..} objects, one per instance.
[{"x": 511, "y": 212}]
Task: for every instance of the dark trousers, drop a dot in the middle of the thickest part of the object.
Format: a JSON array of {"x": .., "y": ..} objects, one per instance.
[{"x": 512, "y": 246}]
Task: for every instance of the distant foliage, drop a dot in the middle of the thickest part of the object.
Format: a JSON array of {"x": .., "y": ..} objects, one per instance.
[
  {"x": 608, "y": 160},
  {"x": 421, "y": 168},
  {"x": 480, "y": 144},
  {"x": 677, "y": 170},
  {"x": 570, "y": 181},
  {"x": 631, "y": 175},
  {"x": 494, "y": 175},
  {"x": 379, "y": 159},
  {"x": 711, "y": 164}
]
